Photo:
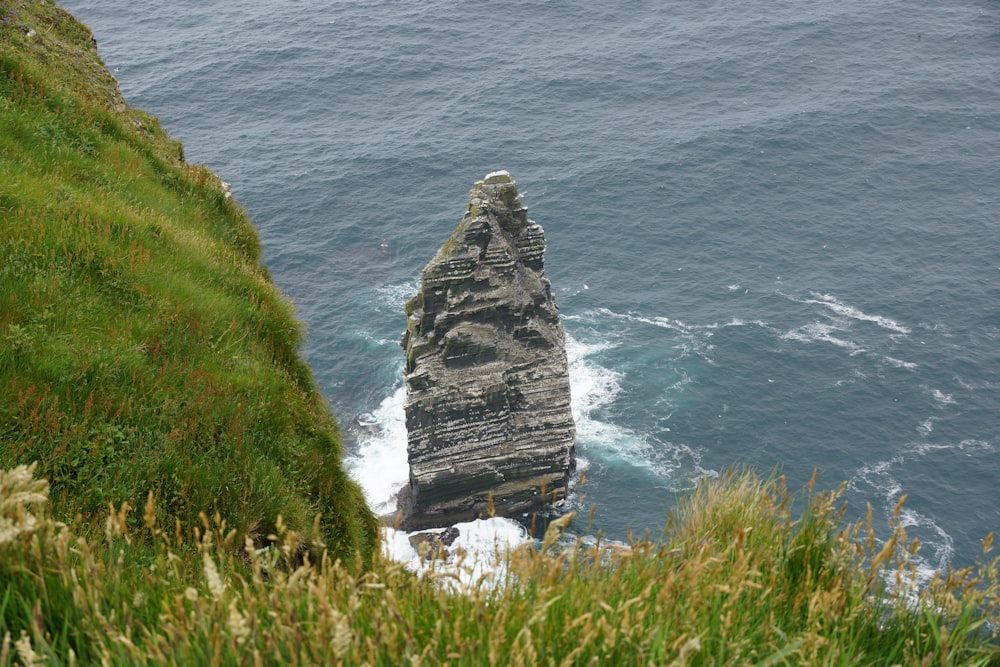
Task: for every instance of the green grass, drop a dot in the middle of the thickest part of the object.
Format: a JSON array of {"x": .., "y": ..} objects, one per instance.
[
  {"x": 143, "y": 347},
  {"x": 739, "y": 577}
]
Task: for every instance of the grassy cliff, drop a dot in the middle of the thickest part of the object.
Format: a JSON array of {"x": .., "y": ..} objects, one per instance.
[{"x": 143, "y": 347}]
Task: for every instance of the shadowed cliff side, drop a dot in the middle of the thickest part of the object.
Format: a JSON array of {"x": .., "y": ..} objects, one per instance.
[
  {"x": 143, "y": 347},
  {"x": 488, "y": 404}
]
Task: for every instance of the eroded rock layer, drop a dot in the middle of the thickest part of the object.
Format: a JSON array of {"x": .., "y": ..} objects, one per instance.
[{"x": 488, "y": 402}]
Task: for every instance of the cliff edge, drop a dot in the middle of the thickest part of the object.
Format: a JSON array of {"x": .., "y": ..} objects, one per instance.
[
  {"x": 488, "y": 418},
  {"x": 143, "y": 346}
]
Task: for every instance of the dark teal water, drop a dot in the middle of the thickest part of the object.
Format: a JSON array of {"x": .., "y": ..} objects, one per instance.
[{"x": 772, "y": 225}]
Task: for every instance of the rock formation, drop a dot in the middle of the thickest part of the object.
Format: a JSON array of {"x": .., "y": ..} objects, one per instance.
[{"x": 488, "y": 403}]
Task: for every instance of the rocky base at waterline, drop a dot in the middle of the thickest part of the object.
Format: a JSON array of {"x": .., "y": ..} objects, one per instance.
[{"x": 489, "y": 425}]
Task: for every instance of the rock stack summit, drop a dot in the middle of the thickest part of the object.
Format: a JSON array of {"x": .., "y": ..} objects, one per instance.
[{"x": 488, "y": 405}]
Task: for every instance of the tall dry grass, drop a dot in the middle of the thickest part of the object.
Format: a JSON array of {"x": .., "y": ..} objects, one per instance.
[{"x": 740, "y": 576}]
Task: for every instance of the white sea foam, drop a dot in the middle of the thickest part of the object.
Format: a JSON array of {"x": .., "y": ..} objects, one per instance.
[
  {"x": 938, "y": 547},
  {"x": 899, "y": 363},
  {"x": 656, "y": 320},
  {"x": 475, "y": 559},
  {"x": 392, "y": 297},
  {"x": 837, "y": 325},
  {"x": 677, "y": 325},
  {"x": 878, "y": 476},
  {"x": 594, "y": 388},
  {"x": 973, "y": 445},
  {"x": 822, "y": 332},
  {"x": 840, "y": 308},
  {"x": 380, "y": 464},
  {"x": 691, "y": 338},
  {"x": 976, "y": 445},
  {"x": 591, "y": 386},
  {"x": 942, "y": 398},
  {"x": 855, "y": 376}
]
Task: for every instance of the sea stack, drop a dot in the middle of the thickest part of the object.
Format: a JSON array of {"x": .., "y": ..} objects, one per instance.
[{"x": 488, "y": 418}]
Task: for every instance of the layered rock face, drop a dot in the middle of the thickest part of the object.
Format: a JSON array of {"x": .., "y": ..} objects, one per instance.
[{"x": 488, "y": 403}]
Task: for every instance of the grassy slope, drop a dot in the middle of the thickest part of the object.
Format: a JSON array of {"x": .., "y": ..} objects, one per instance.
[{"x": 142, "y": 345}]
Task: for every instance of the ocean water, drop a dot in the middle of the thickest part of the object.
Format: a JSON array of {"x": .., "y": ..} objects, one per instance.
[{"x": 772, "y": 225}]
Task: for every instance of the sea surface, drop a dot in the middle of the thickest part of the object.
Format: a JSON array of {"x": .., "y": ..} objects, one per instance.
[{"x": 772, "y": 224}]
